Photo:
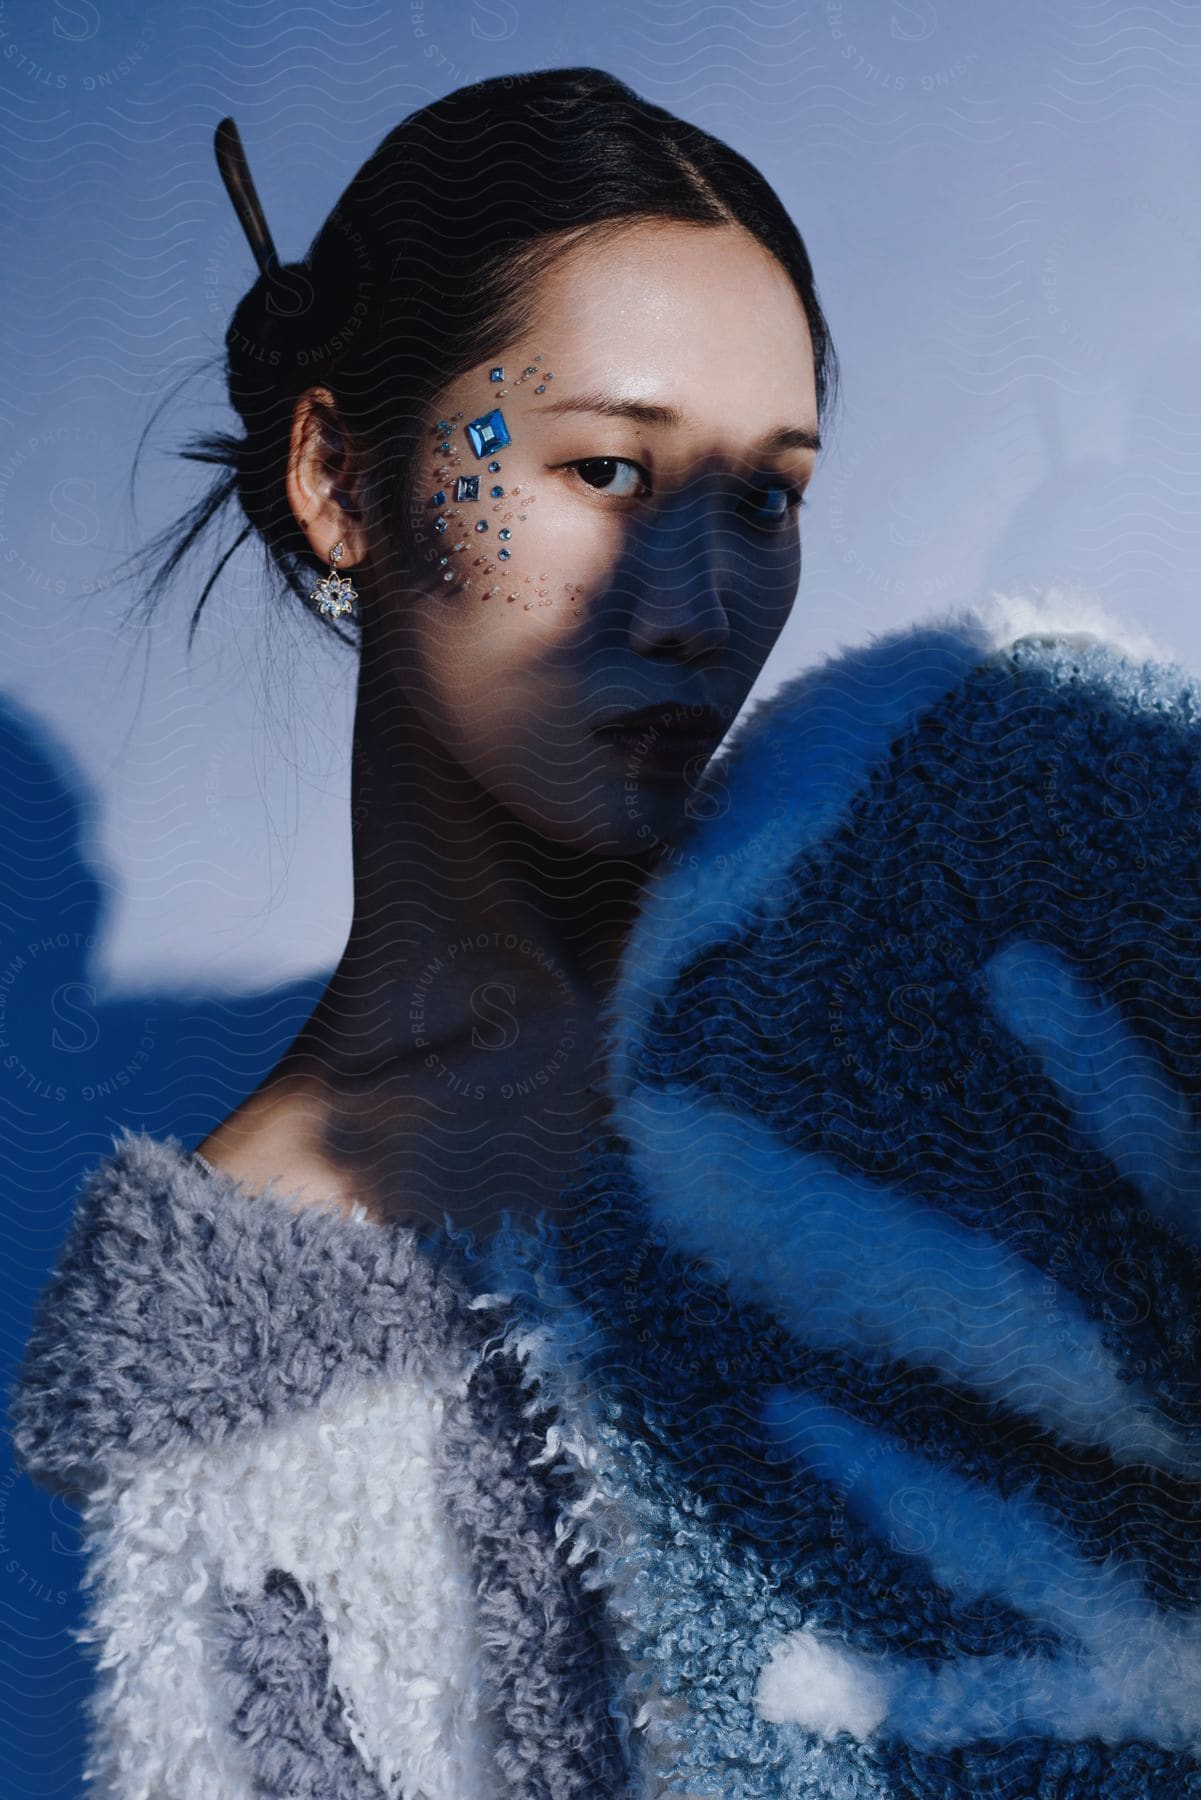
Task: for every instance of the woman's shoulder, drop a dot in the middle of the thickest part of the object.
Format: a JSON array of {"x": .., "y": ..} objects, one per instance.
[
  {"x": 1077, "y": 746},
  {"x": 264, "y": 1149},
  {"x": 182, "y": 1305}
]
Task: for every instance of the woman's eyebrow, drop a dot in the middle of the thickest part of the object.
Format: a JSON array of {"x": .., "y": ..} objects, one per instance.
[{"x": 648, "y": 412}]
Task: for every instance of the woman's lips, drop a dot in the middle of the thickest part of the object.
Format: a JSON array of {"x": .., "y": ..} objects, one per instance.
[{"x": 663, "y": 744}]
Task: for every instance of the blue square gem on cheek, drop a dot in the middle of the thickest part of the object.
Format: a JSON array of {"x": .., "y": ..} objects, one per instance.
[{"x": 488, "y": 433}]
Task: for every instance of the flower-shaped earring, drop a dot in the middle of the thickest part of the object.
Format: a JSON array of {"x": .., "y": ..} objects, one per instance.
[{"x": 334, "y": 594}]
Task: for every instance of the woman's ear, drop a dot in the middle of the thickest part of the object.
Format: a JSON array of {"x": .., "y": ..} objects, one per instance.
[{"x": 322, "y": 482}]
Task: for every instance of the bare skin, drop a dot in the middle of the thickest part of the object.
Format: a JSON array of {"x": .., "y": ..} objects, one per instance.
[{"x": 500, "y": 847}]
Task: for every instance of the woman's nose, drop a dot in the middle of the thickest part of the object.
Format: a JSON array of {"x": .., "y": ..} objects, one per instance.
[{"x": 678, "y": 576}]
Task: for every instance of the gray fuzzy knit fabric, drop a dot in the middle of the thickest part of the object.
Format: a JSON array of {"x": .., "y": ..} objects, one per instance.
[
  {"x": 172, "y": 1317},
  {"x": 566, "y": 1730},
  {"x": 292, "y": 1725}
]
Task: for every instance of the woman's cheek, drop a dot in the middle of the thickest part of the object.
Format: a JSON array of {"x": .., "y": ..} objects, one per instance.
[{"x": 477, "y": 521}]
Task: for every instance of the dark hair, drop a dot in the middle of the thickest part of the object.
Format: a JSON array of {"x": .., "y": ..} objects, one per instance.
[{"x": 423, "y": 270}]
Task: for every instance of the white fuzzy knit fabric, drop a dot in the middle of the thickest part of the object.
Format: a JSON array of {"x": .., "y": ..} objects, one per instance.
[{"x": 346, "y": 1498}]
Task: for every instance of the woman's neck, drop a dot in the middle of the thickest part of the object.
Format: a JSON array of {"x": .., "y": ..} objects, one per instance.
[{"x": 453, "y": 890}]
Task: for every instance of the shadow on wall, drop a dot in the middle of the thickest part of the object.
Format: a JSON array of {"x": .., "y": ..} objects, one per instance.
[
  {"x": 73, "y": 1070},
  {"x": 1115, "y": 518}
]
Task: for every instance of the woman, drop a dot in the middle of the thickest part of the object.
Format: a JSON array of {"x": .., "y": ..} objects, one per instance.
[
  {"x": 825, "y": 1422},
  {"x": 534, "y": 418}
]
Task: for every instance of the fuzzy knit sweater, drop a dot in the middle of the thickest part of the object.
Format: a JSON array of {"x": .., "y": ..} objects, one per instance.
[
  {"x": 844, "y": 1442},
  {"x": 318, "y": 1503}
]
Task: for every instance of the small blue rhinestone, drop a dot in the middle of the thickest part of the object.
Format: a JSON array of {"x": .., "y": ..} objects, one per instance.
[
  {"x": 503, "y": 555},
  {"x": 497, "y": 374},
  {"x": 531, "y": 370},
  {"x": 494, "y": 467},
  {"x": 505, "y": 532},
  {"x": 481, "y": 524},
  {"x": 496, "y": 492},
  {"x": 541, "y": 388},
  {"x": 443, "y": 424},
  {"x": 445, "y": 446},
  {"x": 439, "y": 524},
  {"x": 439, "y": 498}
]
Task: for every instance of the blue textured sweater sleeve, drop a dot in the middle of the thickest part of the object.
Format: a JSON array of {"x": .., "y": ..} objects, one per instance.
[{"x": 896, "y": 1239}]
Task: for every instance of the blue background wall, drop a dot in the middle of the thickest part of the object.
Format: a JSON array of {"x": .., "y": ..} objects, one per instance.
[{"x": 1000, "y": 204}]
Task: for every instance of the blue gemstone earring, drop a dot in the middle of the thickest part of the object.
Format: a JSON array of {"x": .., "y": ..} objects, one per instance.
[{"x": 334, "y": 594}]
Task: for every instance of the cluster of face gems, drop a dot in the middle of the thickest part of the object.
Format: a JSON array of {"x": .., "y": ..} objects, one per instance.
[
  {"x": 334, "y": 594},
  {"x": 486, "y": 435}
]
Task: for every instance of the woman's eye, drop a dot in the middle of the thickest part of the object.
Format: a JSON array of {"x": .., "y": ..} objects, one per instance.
[
  {"x": 773, "y": 506},
  {"x": 598, "y": 472},
  {"x": 770, "y": 505}
]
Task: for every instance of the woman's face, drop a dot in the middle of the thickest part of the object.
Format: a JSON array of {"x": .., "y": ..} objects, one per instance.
[{"x": 642, "y": 545}]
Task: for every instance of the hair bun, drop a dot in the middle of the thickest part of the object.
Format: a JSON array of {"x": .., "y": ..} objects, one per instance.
[
  {"x": 271, "y": 319},
  {"x": 282, "y": 336}
]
